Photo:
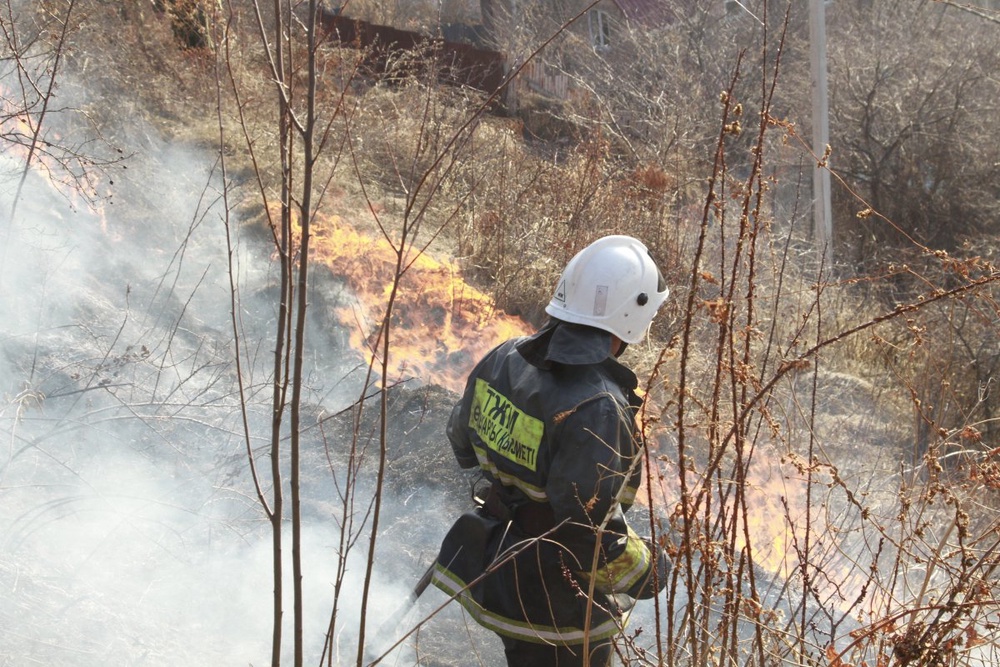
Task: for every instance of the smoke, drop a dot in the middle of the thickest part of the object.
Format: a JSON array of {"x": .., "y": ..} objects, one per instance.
[
  {"x": 130, "y": 531},
  {"x": 111, "y": 515}
]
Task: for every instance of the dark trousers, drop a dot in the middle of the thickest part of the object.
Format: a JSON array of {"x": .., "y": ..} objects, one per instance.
[{"x": 529, "y": 654}]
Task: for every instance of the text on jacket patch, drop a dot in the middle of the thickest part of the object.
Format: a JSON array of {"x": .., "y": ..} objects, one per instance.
[{"x": 504, "y": 428}]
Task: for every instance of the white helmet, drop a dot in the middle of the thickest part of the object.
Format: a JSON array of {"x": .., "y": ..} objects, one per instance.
[{"x": 613, "y": 284}]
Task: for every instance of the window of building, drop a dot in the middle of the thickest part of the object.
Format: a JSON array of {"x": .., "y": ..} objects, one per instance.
[{"x": 600, "y": 29}]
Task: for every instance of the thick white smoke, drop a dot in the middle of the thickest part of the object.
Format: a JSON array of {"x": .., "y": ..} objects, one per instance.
[{"x": 130, "y": 532}]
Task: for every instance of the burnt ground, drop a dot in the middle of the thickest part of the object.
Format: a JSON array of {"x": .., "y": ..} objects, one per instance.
[
  {"x": 424, "y": 491},
  {"x": 131, "y": 530}
]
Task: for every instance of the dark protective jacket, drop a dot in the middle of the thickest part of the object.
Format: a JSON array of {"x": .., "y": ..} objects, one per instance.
[{"x": 550, "y": 420}]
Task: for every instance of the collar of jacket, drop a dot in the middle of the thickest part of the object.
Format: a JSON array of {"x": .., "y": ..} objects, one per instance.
[{"x": 569, "y": 344}]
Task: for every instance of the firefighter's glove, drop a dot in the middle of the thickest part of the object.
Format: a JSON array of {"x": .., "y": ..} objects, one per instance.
[
  {"x": 659, "y": 571},
  {"x": 640, "y": 571}
]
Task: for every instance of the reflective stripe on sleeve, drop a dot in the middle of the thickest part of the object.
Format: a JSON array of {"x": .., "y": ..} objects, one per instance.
[{"x": 622, "y": 573}]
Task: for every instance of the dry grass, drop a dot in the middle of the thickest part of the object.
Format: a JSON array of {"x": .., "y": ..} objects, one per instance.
[{"x": 882, "y": 429}]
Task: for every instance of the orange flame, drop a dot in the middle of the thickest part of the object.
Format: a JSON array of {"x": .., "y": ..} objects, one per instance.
[
  {"x": 776, "y": 497},
  {"x": 82, "y": 188},
  {"x": 440, "y": 325}
]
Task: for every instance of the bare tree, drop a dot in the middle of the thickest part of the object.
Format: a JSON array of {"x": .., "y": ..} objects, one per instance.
[
  {"x": 913, "y": 112},
  {"x": 311, "y": 138}
]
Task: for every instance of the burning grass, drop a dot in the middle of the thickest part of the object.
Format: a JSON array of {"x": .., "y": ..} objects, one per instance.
[{"x": 440, "y": 325}]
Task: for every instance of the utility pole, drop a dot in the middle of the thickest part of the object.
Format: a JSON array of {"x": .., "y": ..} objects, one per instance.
[{"x": 822, "y": 211}]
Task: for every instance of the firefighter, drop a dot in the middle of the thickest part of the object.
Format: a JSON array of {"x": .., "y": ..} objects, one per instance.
[{"x": 548, "y": 562}]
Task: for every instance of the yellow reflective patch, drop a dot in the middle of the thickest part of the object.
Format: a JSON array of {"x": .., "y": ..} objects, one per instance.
[{"x": 505, "y": 429}]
